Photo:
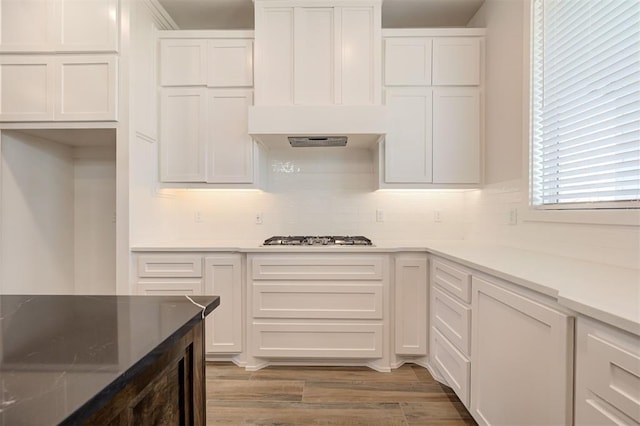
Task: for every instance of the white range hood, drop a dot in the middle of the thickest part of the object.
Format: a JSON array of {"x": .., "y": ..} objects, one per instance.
[{"x": 363, "y": 125}]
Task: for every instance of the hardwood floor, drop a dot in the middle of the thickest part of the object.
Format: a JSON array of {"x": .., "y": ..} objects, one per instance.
[{"x": 329, "y": 396}]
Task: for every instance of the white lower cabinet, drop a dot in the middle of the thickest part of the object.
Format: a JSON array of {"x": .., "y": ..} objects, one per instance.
[
  {"x": 522, "y": 358},
  {"x": 411, "y": 300},
  {"x": 607, "y": 375}
]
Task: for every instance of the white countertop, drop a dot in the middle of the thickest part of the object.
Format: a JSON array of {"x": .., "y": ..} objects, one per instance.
[{"x": 608, "y": 293}]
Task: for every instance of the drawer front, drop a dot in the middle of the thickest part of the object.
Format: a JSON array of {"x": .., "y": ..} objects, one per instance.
[
  {"x": 318, "y": 268},
  {"x": 452, "y": 364},
  {"x": 452, "y": 319},
  {"x": 326, "y": 300},
  {"x": 170, "y": 288},
  {"x": 455, "y": 281},
  {"x": 170, "y": 266},
  {"x": 607, "y": 376},
  {"x": 317, "y": 340}
]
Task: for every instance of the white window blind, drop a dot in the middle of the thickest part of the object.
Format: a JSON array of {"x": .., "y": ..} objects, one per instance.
[{"x": 585, "y": 104}]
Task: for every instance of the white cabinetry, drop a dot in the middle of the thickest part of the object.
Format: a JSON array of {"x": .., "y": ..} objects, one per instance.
[
  {"x": 319, "y": 306},
  {"x": 411, "y": 287},
  {"x": 310, "y": 55},
  {"x": 59, "y": 26},
  {"x": 173, "y": 274},
  {"x": 183, "y": 62},
  {"x": 435, "y": 128},
  {"x": 230, "y": 63},
  {"x": 522, "y": 359},
  {"x": 607, "y": 375}
]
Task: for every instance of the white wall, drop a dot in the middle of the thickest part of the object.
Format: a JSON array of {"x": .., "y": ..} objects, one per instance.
[{"x": 507, "y": 144}]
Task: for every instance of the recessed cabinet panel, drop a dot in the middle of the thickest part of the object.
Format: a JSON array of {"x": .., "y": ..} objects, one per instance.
[
  {"x": 87, "y": 88},
  {"x": 183, "y": 62},
  {"x": 456, "y": 135},
  {"x": 359, "y": 55},
  {"x": 27, "y": 88},
  {"x": 451, "y": 363},
  {"x": 314, "y": 53},
  {"x": 230, "y": 63},
  {"x": 88, "y": 25},
  {"x": 26, "y": 25},
  {"x": 177, "y": 287},
  {"x": 230, "y": 146},
  {"x": 325, "y": 267},
  {"x": 223, "y": 277},
  {"x": 456, "y": 61},
  {"x": 274, "y": 56},
  {"x": 408, "y": 144},
  {"x": 452, "y": 319},
  {"x": 411, "y": 305},
  {"x": 407, "y": 61},
  {"x": 183, "y": 132},
  {"x": 454, "y": 280}
]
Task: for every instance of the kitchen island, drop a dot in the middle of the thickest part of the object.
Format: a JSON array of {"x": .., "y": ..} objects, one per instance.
[{"x": 102, "y": 359}]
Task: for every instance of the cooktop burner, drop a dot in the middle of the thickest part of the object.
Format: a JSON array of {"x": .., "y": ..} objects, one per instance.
[{"x": 317, "y": 241}]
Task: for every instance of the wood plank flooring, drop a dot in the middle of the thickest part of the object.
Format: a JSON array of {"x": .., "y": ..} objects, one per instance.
[{"x": 329, "y": 396}]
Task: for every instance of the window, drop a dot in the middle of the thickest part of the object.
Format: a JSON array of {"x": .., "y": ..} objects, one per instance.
[{"x": 585, "y": 104}]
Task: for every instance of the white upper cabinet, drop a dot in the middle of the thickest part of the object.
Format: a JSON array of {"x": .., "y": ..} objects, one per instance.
[
  {"x": 183, "y": 62},
  {"x": 59, "y": 25},
  {"x": 27, "y": 88},
  {"x": 456, "y": 61},
  {"x": 407, "y": 61},
  {"x": 317, "y": 55},
  {"x": 230, "y": 63}
]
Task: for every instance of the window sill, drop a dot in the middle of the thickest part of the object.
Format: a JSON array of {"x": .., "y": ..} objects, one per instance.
[{"x": 620, "y": 217}]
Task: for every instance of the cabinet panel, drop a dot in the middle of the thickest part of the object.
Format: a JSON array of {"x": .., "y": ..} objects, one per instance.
[
  {"x": 274, "y": 56},
  {"x": 88, "y": 25},
  {"x": 88, "y": 87},
  {"x": 318, "y": 268},
  {"x": 230, "y": 63},
  {"x": 183, "y": 62},
  {"x": 359, "y": 56},
  {"x": 27, "y": 88},
  {"x": 223, "y": 277},
  {"x": 175, "y": 287},
  {"x": 26, "y": 25},
  {"x": 230, "y": 148},
  {"x": 407, "y": 61},
  {"x": 519, "y": 343},
  {"x": 452, "y": 319},
  {"x": 456, "y": 135},
  {"x": 411, "y": 305},
  {"x": 183, "y": 134},
  {"x": 314, "y": 56},
  {"x": 310, "y": 340},
  {"x": 454, "y": 280},
  {"x": 452, "y": 364},
  {"x": 456, "y": 61},
  {"x": 169, "y": 266},
  {"x": 408, "y": 143}
]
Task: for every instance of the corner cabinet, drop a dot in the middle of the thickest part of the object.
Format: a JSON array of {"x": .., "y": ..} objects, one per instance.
[
  {"x": 433, "y": 88},
  {"x": 205, "y": 96}
]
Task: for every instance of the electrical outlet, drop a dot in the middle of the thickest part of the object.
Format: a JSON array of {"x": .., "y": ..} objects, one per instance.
[
  {"x": 379, "y": 215},
  {"x": 259, "y": 218},
  {"x": 437, "y": 216},
  {"x": 513, "y": 216},
  {"x": 197, "y": 217}
]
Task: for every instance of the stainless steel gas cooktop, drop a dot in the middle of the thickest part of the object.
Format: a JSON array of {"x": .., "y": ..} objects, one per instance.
[{"x": 317, "y": 241}]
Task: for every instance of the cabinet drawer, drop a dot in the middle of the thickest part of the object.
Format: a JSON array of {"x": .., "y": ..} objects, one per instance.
[
  {"x": 317, "y": 340},
  {"x": 170, "y": 288},
  {"x": 607, "y": 376},
  {"x": 452, "y": 364},
  {"x": 170, "y": 266},
  {"x": 455, "y": 281},
  {"x": 452, "y": 319},
  {"x": 334, "y": 300},
  {"x": 317, "y": 268}
]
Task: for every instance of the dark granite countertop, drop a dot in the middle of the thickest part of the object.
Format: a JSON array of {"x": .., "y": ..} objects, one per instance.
[{"x": 64, "y": 354}]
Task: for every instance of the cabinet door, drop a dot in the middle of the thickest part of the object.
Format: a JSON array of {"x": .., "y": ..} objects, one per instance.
[
  {"x": 456, "y": 61},
  {"x": 27, "y": 88},
  {"x": 274, "y": 55},
  {"x": 411, "y": 305},
  {"x": 521, "y": 357},
  {"x": 26, "y": 25},
  {"x": 230, "y": 63},
  {"x": 170, "y": 287},
  {"x": 183, "y": 62},
  {"x": 314, "y": 53},
  {"x": 408, "y": 144},
  {"x": 407, "y": 61},
  {"x": 87, "y": 87},
  {"x": 456, "y": 135},
  {"x": 224, "y": 326},
  {"x": 87, "y": 25},
  {"x": 183, "y": 134},
  {"x": 230, "y": 148}
]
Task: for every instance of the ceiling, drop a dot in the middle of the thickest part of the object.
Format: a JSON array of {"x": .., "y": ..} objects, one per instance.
[{"x": 238, "y": 14}]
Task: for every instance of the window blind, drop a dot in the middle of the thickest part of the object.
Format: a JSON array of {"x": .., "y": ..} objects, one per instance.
[{"x": 585, "y": 103}]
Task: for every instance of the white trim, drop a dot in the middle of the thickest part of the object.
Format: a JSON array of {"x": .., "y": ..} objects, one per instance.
[
  {"x": 622, "y": 217},
  {"x": 235, "y": 34},
  {"x": 434, "y": 32},
  {"x": 162, "y": 17}
]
